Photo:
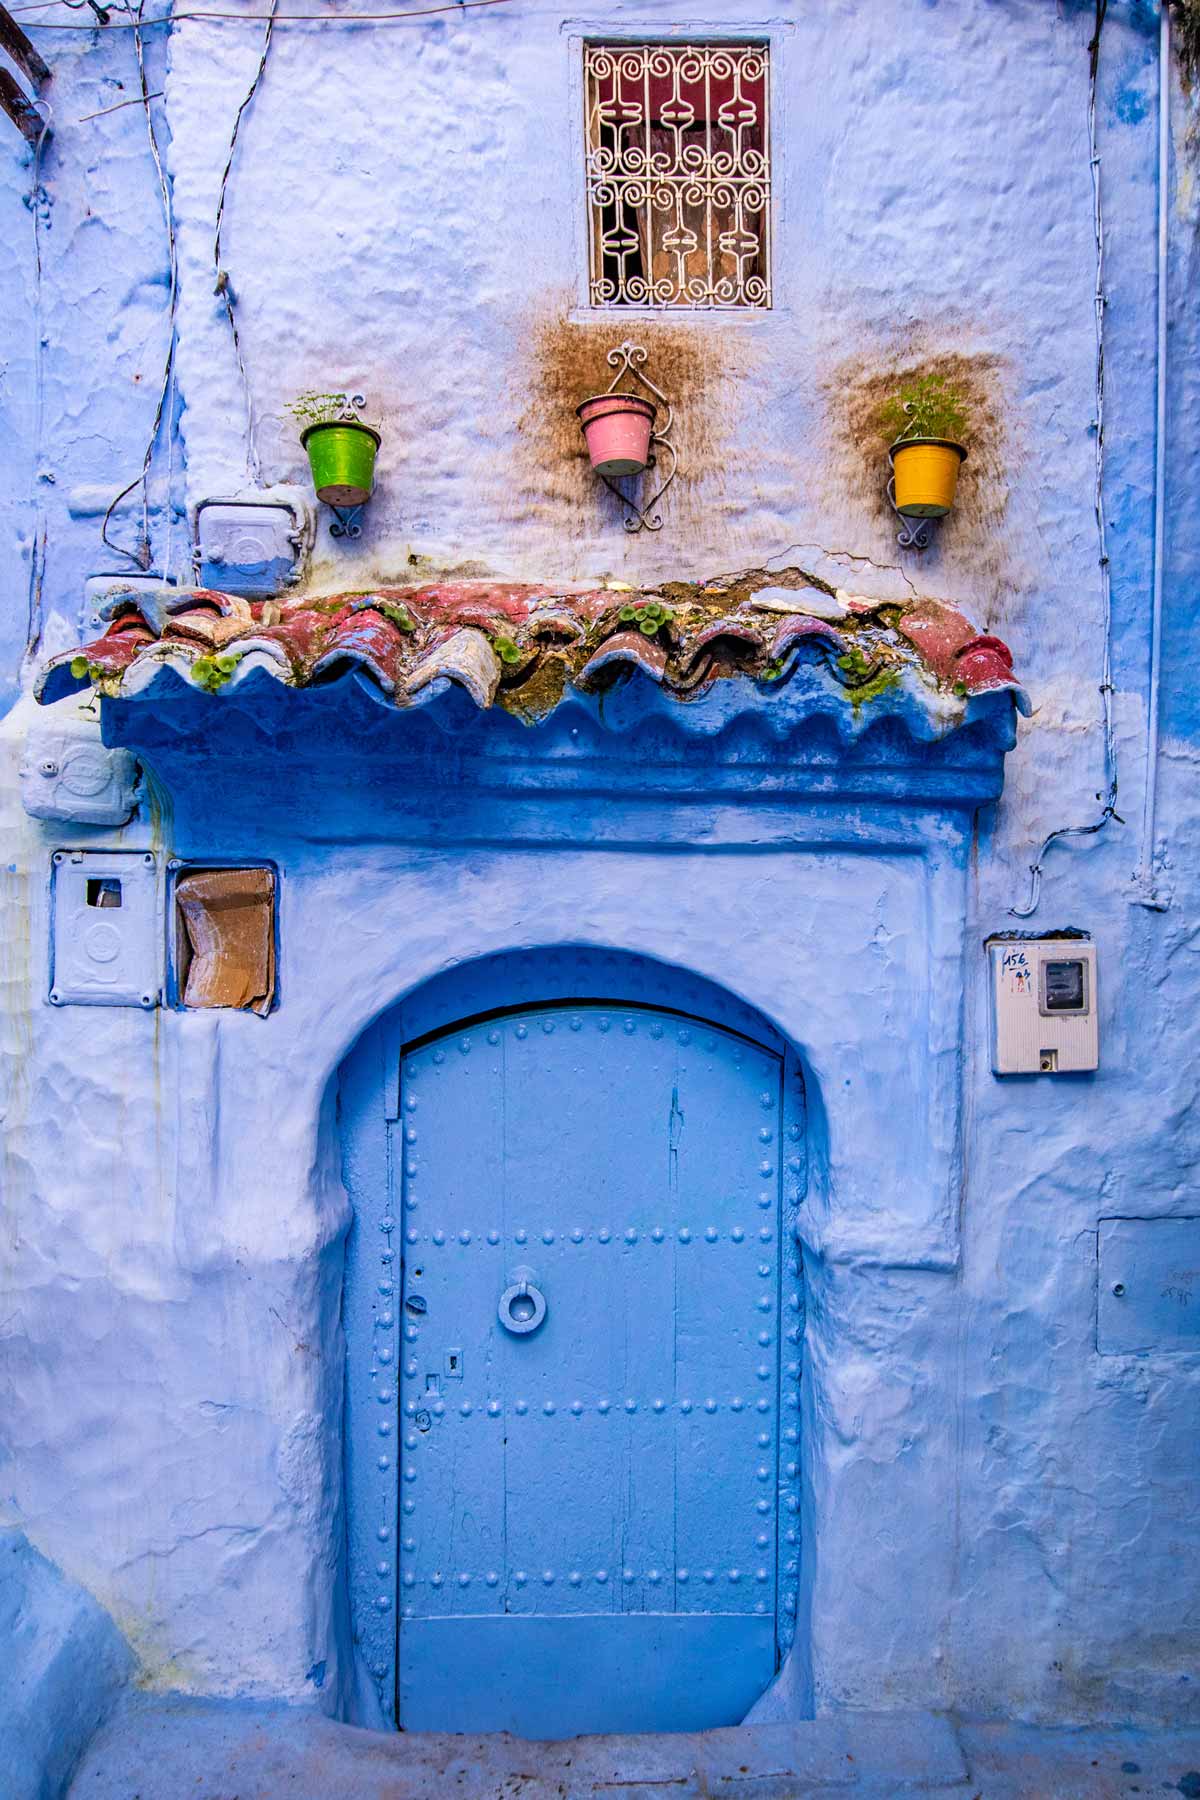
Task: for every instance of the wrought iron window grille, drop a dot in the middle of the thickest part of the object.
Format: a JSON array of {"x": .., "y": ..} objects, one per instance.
[{"x": 678, "y": 175}]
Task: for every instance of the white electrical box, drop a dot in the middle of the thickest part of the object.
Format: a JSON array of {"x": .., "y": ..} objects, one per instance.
[
  {"x": 247, "y": 547},
  {"x": 99, "y": 590},
  {"x": 68, "y": 774},
  {"x": 1044, "y": 1007},
  {"x": 105, "y": 932}
]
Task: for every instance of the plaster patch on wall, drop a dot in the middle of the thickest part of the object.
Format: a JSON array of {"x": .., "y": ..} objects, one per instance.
[
  {"x": 857, "y": 389},
  {"x": 1066, "y": 701},
  {"x": 698, "y": 369},
  {"x": 301, "y": 1460}
]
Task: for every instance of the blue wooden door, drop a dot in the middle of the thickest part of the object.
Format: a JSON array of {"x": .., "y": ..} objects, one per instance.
[{"x": 590, "y": 1374}]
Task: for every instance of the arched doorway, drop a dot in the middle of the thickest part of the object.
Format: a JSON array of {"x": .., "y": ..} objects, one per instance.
[{"x": 590, "y": 1203}]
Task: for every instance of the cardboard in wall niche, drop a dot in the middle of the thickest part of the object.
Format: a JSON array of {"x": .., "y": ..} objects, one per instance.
[{"x": 227, "y": 938}]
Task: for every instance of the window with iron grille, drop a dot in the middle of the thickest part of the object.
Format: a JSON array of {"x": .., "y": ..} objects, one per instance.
[{"x": 678, "y": 175}]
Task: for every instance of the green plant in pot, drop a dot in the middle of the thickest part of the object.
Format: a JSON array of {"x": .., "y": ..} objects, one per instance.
[
  {"x": 341, "y": 447},
  {"x": 926, "y": 420}
]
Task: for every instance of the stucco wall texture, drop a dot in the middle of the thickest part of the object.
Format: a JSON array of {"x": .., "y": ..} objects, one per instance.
[{"x": 1015, "y": 1529}]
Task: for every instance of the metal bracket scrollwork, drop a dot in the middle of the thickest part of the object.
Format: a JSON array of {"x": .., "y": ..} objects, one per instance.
[
  {"x": 629, "y": 359},
  {"x": 347, "y": 520},
  {"x": 916, "y": 534}
]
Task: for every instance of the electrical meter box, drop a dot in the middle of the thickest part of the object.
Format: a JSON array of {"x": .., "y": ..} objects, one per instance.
[
  {"x": 247, "y": 547},
  {"x": 1043, "y": 1005},
  {"x": 105, "y": 932},
  {"x": 67, "y": 773}
]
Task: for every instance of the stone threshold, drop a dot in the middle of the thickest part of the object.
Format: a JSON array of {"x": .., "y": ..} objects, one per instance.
[{"x": 163, "y": 1748}]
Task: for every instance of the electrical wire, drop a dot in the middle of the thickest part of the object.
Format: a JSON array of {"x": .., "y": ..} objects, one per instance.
[
  {"x": 141, "y": 556},
  {"x": 102, "y": 13},
  {"x": 172, "y": 416},
  {"x": 74, "y": 5},
  {"x": 37, "y": 561},
  {"x": 321, "y": 18},
  {"x": 35, "y": 196},
  {"x": 224, "y": 287},
  {"x": 138, "y": 23},
  {"x": 1108, "y": 810},
  {"x": 134, "y": 100}
]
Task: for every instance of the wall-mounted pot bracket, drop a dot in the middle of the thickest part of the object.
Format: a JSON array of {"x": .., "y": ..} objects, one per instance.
[
  {"x": 922, "y": 490},
  {"x": 619, "y": 428},
  {"x": 341, "y": 453}
]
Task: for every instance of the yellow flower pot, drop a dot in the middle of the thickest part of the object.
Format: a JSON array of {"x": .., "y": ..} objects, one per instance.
[{"x": 925, "y": 471}]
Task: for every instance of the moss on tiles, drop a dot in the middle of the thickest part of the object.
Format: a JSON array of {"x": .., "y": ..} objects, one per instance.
[
  {"x": 212, "y": 672},
  {"x": 399, "y": 616},
  {"x": 865, "y": 681},
  {"x": 540, "y": 692}
]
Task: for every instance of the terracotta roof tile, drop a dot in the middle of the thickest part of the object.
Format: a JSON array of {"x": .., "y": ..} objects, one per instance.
[
  {"x": 627, "y": 650},
  {"x": 520, "y": 645},
  {"x": 800, "y": 626}
]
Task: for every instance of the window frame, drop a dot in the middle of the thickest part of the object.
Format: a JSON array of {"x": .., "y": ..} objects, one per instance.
[{"x": 770, "y": 36}]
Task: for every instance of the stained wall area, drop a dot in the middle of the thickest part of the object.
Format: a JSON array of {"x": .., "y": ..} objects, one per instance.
[{"x": 404, "y": 217}]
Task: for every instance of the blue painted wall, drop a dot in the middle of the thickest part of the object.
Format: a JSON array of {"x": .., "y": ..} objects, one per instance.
[
  {"x": 85, "y": 339},
  {"x": 999, "y": 1518},
  {"x": 65, "y": 1665}
]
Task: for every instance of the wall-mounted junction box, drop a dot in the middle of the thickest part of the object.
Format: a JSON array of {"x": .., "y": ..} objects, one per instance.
[
  {"x": 68, "y": 774},
  {"x": 1149, "y": 1285},
  {"x": 105, "y": 940},
  {"x": 1043, "y": 1005},
  {"x": 99, "y": 589},
  {"x": 247, "y": 547}
]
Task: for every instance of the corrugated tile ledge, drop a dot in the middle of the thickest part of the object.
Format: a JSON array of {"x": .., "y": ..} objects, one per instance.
[{"x": 524, "y": 648}]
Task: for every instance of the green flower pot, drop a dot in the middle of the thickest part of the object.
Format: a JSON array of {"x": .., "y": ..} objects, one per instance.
[{"x": 342, "y": 459}]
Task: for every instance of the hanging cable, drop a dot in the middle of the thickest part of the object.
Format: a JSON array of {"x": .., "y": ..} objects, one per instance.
[
  {"x": 140, "y": 556},
  {"x": 37, "y": 563},
  {"x": 134, "y": 100},
  {"x": 321, "y": 18},
  {"x": 1108, "y": 810},
  {"x": 224, "y": 288},
  {"x": 168, "y": 552},
  {"x": 102, "y": 13}
]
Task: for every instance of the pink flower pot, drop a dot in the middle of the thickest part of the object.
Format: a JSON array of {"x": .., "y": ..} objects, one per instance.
[{"x": 616, "y": 429}]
